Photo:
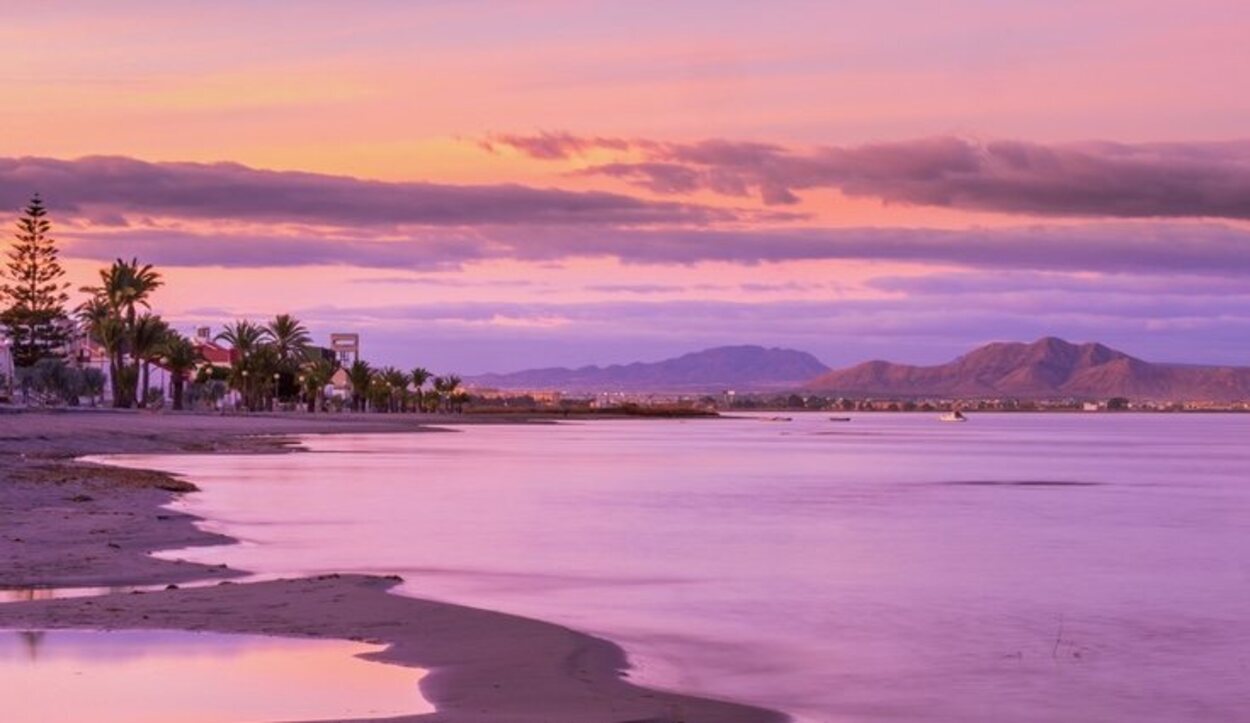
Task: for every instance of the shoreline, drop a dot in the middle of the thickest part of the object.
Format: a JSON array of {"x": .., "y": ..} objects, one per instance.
[{"x": 74, "y": 524}]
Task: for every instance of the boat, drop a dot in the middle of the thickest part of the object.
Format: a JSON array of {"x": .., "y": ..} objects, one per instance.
[
  {"x": 839, "y": 419},
  {"x": 779, "y": 419},
  {"x": 955, "y": 416}
]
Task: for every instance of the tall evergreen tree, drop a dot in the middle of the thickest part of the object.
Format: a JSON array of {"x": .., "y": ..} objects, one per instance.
[{"x": 33, "y": 292}]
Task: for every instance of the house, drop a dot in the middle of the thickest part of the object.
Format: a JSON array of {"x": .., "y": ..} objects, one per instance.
[{"x": 213, "y": 353}]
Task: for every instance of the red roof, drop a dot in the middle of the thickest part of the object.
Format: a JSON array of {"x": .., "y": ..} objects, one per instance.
[{"x": 214, "y": 354}]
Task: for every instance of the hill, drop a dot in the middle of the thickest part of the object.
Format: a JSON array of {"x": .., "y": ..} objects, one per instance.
[
  {"x": 743, "y": 368},
  {"x": 1049, "y": 368}
]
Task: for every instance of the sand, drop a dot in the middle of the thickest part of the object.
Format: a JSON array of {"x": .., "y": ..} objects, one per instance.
[{"x": 69, "y": 524}]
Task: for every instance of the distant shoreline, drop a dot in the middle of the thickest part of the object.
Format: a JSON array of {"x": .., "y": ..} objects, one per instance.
[{"x": 73, "y": 524}]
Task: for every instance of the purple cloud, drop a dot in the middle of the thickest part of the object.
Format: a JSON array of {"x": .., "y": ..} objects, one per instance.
[
  {"x": 104, "y": 189},
  {"x": 1115, "y": 248},
  {"x": 1118, "y": 180}
]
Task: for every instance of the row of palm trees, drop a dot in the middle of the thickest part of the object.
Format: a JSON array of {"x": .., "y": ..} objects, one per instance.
[
  {"x": 268, "y": 356},
  {"x": 390, "y": 389},
  {"x": 116, "y": 316},
  {"x": 271, "y": 362},
  {"x": 276, "y": 361}
]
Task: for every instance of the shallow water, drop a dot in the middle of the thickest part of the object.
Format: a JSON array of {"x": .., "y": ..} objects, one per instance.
[
  {"x": 1017, "y": 567},
  {"x": 160, "y": 676}
]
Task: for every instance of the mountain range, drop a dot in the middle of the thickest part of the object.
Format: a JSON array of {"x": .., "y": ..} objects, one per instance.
[
  {"x": 727, "y": 367},
  {"x": 1048, "y": 368}
]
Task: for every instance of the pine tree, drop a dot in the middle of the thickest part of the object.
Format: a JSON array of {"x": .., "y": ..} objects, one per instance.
[{"x": 33, "y": 292}]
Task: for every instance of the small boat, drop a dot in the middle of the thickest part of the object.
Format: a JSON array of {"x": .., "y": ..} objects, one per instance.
[
  {"x": 955, "y": 416},
  {"x": 839, "y": 419},
  {"x": 779, "y": 419}
]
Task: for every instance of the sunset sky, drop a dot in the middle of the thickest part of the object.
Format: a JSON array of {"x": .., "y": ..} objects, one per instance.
[{"x": 486, "y": 186}]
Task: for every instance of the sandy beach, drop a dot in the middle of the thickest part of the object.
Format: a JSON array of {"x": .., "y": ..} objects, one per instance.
[{"x": 71, "y": 524}]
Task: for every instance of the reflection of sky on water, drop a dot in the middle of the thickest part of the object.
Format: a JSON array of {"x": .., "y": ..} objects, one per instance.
[
  {"x": 155, "y": 675},
  {"x": 890, "y": 567}
]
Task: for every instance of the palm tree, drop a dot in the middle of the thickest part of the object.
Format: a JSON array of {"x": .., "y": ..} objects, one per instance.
[
  {"x": 359, "y": 374},
  {"x": 147, "y": 341},
  {"x": 105, "y": 329},
  {"x": 180, "y": 356},
  {"x": 451, "y": 385},
  {"x": 317, "y": 373},
  {"x": 246, "y": 339},
  {"x": 446, "y": 387},
  {"x": 397, "y": 382},
  {"x": 290, "y": 339},
  {"x": 419, "y": 377},
  {"x": 125, "y": 286},
  {"x": 264, "y": 368},
  {"x": 243, "y": 336}
]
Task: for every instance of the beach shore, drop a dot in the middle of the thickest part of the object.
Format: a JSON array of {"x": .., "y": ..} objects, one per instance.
[{"x": 70, "y": 524}]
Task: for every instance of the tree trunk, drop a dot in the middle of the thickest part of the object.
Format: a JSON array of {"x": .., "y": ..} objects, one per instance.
[
  {"x": 115, "y": 376},
  {"x": 177, "y": 381},
  {"x": 143, "y": 388}
]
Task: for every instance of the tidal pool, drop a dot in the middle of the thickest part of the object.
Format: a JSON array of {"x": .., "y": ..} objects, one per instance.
[{"x": 160, "y": 676}]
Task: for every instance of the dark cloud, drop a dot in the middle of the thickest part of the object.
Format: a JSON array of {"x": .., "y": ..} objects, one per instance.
[
  {"x": 1120, "y": 248},
  {"x": 1118, "y": 180},
  {"x": 176, "y": 248},
  {"x": 106, "y": 189}
]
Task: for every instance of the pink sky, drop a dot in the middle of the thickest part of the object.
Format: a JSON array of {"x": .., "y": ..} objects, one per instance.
[{"x": 484, "y": 186}]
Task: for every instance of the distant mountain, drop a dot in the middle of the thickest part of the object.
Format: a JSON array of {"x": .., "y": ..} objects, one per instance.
[
  {"x": 740, "y": 368},
  {"x": 1046, "y": 369}
]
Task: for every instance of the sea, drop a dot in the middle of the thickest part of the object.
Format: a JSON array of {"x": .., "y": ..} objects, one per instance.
[{"x": 1016, "y": 567}]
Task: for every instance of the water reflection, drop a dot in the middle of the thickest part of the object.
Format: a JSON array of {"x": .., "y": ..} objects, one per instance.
[
  {"x": 31, "y": 639},
  {"x": 150, "y": 676},
  {"x": 895, "y": 567}
]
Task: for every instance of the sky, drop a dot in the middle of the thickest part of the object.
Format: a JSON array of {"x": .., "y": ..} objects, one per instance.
[{"x": 489, "y": 186}]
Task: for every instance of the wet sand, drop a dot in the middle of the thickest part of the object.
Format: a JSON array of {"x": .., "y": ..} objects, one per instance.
[{"x": 69, "y": 524}]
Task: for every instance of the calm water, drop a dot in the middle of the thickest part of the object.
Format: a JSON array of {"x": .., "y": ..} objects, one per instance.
[
  {"x": 160, "y": 676},
  {"x": 1017, "y": 567}
]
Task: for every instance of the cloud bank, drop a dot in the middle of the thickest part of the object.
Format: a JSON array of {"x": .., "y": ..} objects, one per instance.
[
  {"x": 1094, "y": 179},
  {"x": 109, "y": 188},
  {"x": 1207, "y": 249}
]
